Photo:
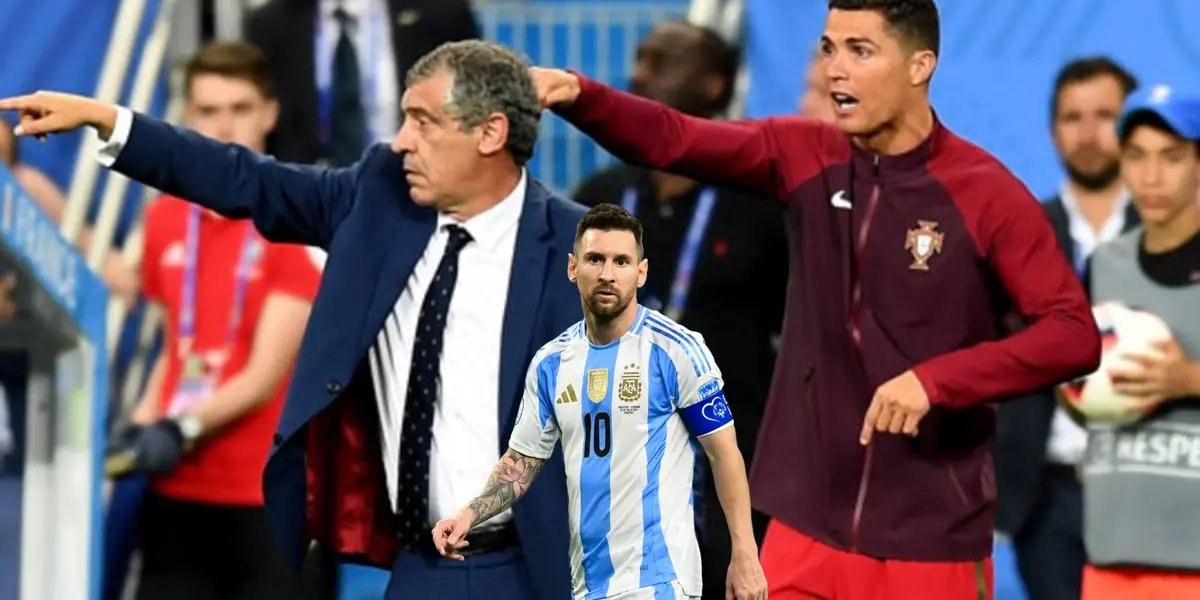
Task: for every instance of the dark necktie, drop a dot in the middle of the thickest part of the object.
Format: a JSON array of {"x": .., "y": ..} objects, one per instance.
[
  {"x": 348, "y": 119},
  {"x": 416, "y": 434}
]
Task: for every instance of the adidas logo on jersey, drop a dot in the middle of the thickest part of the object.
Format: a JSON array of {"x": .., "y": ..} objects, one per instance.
[{"x": 568, "y": 396}]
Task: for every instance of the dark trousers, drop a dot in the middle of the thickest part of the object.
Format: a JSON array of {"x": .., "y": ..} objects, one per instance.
[
  {"x": 501, "y": 575},
  {"x": 194, "y": 551},
  {"x": 716, "y": 548},
  {"x": 1050, "y": 552}
]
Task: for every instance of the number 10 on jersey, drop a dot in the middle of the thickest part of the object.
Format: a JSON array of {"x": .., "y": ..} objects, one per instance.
[{"x": 597, "y": 434}]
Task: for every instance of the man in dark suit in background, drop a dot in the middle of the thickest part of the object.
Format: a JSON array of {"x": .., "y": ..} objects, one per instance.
[
  {"x": 1038, "y": 446},
  {"x": 721, "y": 258},
  {"x": 444, "y": 276},
  {"x": 339, "y": 66}
]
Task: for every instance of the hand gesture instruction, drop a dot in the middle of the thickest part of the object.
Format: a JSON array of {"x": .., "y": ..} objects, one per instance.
[
  {"x": 898, "y": 407},
  {"x": 43, "y": 113}
]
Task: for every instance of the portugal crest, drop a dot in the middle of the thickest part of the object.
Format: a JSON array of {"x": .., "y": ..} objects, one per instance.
[{"x": 923, "y": 241}]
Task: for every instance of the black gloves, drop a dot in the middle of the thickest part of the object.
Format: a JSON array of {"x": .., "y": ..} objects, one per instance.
[{"x": 149, "y": 449}]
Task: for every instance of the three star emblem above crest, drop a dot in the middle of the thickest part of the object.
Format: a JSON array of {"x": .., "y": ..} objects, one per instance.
[{"x": 630, "y": 388}]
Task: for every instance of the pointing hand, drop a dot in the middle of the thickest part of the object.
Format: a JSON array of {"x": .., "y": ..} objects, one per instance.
[
  {"x": 43, "y": 113},
  {"x": 898, "y": 407}
]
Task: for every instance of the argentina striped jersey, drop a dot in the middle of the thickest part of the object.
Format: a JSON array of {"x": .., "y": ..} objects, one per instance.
[{"x": 625, "y": 413}]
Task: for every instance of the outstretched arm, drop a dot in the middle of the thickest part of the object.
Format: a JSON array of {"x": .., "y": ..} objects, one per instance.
[
  {"x": 751, "y": 156},
  {"x": 509, "y": 481},
  {"x": 289, "y": 203}
]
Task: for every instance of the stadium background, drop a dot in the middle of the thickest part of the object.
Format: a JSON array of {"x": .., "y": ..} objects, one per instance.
[{"x": 993, "y": 86}]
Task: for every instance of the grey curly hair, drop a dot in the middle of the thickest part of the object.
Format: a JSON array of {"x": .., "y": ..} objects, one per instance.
[{"x": 488, "y": 79}]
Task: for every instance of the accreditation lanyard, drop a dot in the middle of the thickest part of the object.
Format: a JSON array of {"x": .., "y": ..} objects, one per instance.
[
  {"x": 689, "y": 253},
  {"x": 187, "y": 316},
  {"x": 326, "y": 48}
]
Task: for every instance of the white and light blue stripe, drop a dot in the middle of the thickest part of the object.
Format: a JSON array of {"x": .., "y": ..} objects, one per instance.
[{"x": 630, "y": 504}]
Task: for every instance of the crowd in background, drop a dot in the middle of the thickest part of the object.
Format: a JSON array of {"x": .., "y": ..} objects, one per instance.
[{"x": 318, "y": 83}]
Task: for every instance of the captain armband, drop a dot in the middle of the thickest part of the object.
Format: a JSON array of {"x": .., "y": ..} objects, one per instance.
[{"x": 710, "y": 413}]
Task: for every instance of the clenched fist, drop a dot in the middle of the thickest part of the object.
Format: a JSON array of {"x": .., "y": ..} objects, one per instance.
[
  {"x": 555, "y": 86},
  {"x": 43, "y": 113}
]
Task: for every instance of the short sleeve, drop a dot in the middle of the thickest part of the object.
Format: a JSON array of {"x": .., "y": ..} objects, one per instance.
[
  {"x": 295, "y": 270},
  {"x": 701, "y": 401},
  {"x": 536, "y": 429}
]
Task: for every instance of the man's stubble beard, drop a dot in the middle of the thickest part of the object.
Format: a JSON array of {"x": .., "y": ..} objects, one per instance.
[
  {"x": 1095, "y": 181},
  {"x": 603, "y": 315}
]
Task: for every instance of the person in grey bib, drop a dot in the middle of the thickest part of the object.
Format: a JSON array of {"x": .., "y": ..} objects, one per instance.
[{"x": 1142, "y": 481}]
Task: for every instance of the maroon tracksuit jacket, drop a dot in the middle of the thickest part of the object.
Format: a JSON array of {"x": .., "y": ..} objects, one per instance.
[{"x": 898, "y": 262}]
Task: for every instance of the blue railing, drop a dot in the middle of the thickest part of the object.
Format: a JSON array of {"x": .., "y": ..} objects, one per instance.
[{"x": 597, "y": 38}]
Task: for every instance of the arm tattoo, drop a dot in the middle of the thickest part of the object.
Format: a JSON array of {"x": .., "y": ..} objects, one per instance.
[{"x": 509, "y": 481}]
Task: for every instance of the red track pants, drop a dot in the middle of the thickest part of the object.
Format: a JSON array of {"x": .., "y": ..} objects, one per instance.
[{"x": 800, "y": 568}]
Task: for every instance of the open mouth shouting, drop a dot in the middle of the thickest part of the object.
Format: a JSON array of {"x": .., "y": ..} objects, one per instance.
[{"x": 843, "y": 103}]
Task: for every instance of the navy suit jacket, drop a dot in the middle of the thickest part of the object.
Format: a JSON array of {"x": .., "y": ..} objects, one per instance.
[{"x": 324, "y": 480}]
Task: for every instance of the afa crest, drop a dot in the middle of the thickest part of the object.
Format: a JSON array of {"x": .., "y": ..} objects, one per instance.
[
  {"x": 923, "y": 242},
  {"x": 630, "y": 388}
]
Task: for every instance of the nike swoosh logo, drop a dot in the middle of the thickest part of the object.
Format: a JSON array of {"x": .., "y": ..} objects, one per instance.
[{"x": 838, "y": 200}]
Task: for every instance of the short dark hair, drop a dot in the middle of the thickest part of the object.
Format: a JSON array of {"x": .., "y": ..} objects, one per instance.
[
  {"x": 1086, "y": 69},
  {"x": 720, "y": 57},
  {"x": 609, "y": 217},
  {"x": 915, "y": 22},
  {"x": 236, "y": 60}
]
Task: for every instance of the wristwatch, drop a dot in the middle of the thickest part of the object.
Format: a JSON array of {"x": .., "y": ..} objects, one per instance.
[{"x": 190, "y": 426}]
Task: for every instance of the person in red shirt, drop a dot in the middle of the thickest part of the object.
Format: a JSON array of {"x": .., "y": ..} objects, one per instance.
[
  {"x": 235, "y": 307},
  {"x": 911, "y": 246}
]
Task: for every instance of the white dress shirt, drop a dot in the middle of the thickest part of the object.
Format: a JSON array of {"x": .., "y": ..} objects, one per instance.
[
  {"x": 466, "y": 421},
  {"x": 376, "y": 61},
  {"x": 108, "y": 150},
  {"x": 1068, "y": 441}
]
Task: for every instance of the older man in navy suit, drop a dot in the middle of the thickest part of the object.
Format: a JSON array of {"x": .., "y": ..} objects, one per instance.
[{"x": 443, "y": 278}]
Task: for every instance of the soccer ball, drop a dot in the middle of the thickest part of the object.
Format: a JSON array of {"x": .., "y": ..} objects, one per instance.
[{"x": 1123, "y": 330}]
